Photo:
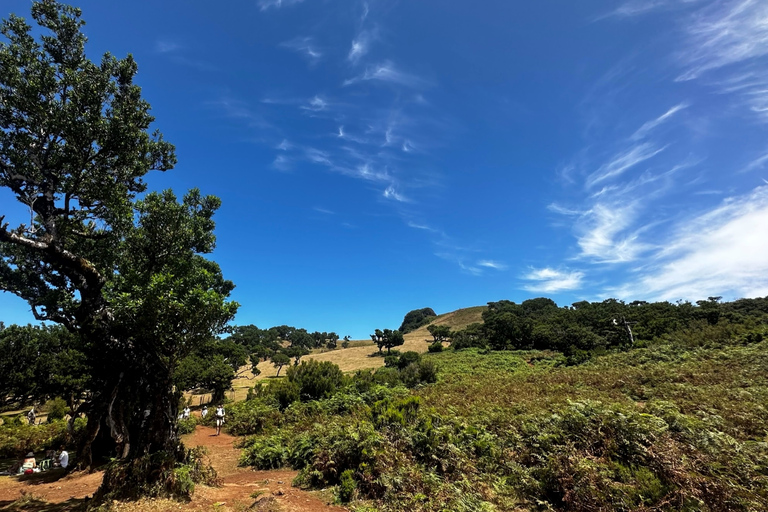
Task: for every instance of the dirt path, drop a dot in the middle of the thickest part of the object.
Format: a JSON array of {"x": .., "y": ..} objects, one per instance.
[
  {"x": 276, "y": 493},
  {"x": 53, "y": 492}
]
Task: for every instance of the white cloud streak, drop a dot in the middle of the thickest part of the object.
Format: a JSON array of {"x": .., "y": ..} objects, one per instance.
[
  {"x": 491, "y": 264},
  {"x": 305, "y": 46},
  {"x": 623, "y": 161},
  {"x": 359, "y": 47},
  {"x": 391, "y": 193},
  {"x": 316, "y": 104},
  {"x": 721, "y": 252},
  {"x": 725, "y": 33},
  {"x": 757, "y": 163},
  {"x": 267, "y": 4},
  {"x": 603, "y": 235},
  {"x": 166, "y": 46},
  {"x": 386, "y": 72},
  {"x": 650, "y": 125},
  {"x": 549, "y": 280}
]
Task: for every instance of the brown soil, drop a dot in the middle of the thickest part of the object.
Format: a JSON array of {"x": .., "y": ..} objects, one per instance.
[{"x": 54, "y": 492}]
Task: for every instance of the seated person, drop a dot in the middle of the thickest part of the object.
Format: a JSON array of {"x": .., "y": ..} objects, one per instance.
[
  {"x": 28, "y": 463},
  {"x": 64, "y": 458}
]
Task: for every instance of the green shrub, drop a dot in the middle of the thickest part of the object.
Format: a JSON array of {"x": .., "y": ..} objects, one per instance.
[
  {"x": 408, "y": 358},
  {"x": 17, "y": 439},
  {"x": 283, "y": 392},
  {"x": 187, "y": 426},
  {"x": 316, "y": 379},
  {"x": 251, "y": 417},
  {"x": 436, "y": 347},
  {"x": 265, "y": 453},
  {"x": 347, "y": 486},
  {"x": 57, "y": 409},
  {"x": 391, "y": 361}
]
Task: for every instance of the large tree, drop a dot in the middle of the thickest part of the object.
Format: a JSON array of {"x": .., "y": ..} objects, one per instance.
[{"x": 126, "y": 276}]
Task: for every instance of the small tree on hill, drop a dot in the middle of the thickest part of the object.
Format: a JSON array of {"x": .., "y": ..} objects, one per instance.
[
  {"x": 440, "y": 333},
  {"x": 391, "y": 339},
  {"x": 415, "y": 319},
  {"x": 279, "y": 360}
]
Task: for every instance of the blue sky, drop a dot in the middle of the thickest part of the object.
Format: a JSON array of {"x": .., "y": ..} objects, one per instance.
[{"x": 375, "y": 157}]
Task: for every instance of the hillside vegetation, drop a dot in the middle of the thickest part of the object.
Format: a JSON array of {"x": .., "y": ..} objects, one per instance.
[{"x": 679, "y": 423}]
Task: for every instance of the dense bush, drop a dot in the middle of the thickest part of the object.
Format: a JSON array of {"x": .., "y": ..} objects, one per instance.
[
  {"x": 17, "y": 439},
  {"x": 416, "y": 318},
  {"x": 57, "y": 409},
  {"x": 315, "y": 379},
  {"x": 187, "y": 426}
]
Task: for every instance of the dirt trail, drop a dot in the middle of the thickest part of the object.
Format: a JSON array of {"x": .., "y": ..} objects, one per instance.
[
  {"x": 54, "y": 492},
  {"x": 240, "y": 483}
]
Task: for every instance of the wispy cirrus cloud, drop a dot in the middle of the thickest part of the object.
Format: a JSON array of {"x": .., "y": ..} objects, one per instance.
[
  {"x": 607, "y": 234},
  {"x": 757, "y": 163},
  {"x": 653, "y": 123},
  {"x": 316, "y": 104},
  {"x": 305, "y": 46},
  {"x": 359, "y": 46},
  {"x": 387, "y": 72},
  {"x": 719, "y": 252},
  {"x": 725, "y": 33},
  {"x": 167, "y": 46},
  {"x": 623, "y": 161},
  {"x": 267, "y": 4},
  {"x": 495, "y": 265},
  {"x": 635, "y": 8},
  {"x": 550, "y": 280},
  {"x": 391, "y": 193}
]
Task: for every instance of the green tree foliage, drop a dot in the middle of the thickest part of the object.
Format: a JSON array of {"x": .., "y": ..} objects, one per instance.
[
  {"x": 316, "y": 379},
  {"x": 279, "y": 360},
  {"x": 126, "y": 276},
  {"x": 40, "y": 363},
  {"x": 416, "y": 318},
  {"x": 211, "y": 366},
  {"x": 391, "y": 339},
  {"x": 440, "y": 333},
  {"x": 587, "y": 328}
]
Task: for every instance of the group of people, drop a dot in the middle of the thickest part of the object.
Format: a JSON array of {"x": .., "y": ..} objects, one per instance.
[
  {"x": 52, "y": 459},
  {"x": 218, "y": 415}
]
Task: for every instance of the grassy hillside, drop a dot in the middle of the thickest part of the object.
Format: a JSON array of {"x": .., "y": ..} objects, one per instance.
[
  {"x": 357, "y": 357},
  {"x": 663, "y": 428}
]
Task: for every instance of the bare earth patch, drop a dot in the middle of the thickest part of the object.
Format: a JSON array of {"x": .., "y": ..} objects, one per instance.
[{"x": 242, "y": 489}]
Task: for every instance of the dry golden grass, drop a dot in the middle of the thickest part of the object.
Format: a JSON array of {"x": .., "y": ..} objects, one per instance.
[{"x": 357, "y": 356}]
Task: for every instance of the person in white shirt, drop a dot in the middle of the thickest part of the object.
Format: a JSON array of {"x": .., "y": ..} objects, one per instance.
[
  {"x": 204, "y": 412},
  {"x": 186, "y": 413},
  {"x": 219, "y": 418},
  {"x": 63, "y": 458}
]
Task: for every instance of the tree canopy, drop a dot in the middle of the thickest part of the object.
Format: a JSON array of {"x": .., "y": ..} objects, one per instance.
[
  {"x": 126, "y": 276},
  {"x": 416, "y": 318}
]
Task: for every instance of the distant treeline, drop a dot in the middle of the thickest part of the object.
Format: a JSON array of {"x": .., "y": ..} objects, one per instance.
[
  {"x": 39, "y": 363},
  {"x": 586, "y": 328}
]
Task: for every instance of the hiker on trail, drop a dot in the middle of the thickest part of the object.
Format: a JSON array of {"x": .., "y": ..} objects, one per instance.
[
  {"x": 186, "y": 413},
  {"x": 219, "y": 418},
  {"x": 31, "y": 416},
  {"x": 204, "y": 412}
]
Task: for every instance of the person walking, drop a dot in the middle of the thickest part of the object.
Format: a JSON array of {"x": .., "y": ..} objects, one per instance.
[
  {"x": 204, "y": 412},
  {"x": 219, "y": 418}
]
